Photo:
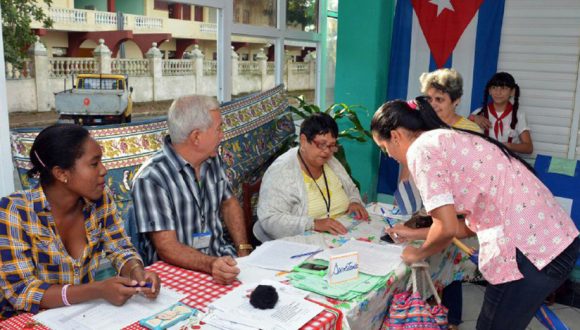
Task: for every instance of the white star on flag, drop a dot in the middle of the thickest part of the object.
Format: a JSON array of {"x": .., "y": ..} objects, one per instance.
[{"x": 442, "y": 5}]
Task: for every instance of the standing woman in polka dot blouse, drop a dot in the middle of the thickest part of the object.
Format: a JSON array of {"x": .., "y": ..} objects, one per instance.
[{"x": 528, "y": 244}]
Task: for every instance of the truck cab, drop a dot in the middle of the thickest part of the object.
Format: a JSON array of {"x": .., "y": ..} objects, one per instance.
[{"x": 96, "y": 99}]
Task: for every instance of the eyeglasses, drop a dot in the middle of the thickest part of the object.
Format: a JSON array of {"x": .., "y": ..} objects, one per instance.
[{"x": 323, "y": 146}]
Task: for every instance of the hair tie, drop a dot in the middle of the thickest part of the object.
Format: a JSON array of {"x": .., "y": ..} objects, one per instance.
[
  {"x": 40, "y": 160},
  {"x": 412, "y": 104}
]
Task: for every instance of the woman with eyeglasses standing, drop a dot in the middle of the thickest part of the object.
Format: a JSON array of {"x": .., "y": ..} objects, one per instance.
[{"x": 306, "y": 188}]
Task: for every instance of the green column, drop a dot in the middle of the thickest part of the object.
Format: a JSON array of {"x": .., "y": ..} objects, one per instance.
[{"x": 363, "y": 51}]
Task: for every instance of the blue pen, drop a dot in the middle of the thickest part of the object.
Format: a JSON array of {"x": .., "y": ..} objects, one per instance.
[
  {"x": 388, "y": 221},
  {"x": 147, "y": 285},
  {"x": 306, "y": 254}
]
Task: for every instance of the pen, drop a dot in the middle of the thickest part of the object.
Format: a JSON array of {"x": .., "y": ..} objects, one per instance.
[
  {"x": 388, "y": 221},
  {"x": 306, "y": 254},
  {"x": 147, "y": 285}
]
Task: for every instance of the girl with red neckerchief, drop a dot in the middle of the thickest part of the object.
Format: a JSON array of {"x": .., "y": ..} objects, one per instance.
[{"x": 501, "y": 119}]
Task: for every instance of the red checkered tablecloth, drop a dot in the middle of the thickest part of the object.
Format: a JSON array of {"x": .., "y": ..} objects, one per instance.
[{"x": 200, "y": 290}]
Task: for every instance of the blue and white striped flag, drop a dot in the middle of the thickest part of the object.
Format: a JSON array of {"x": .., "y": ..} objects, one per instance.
[{"x": 430, "y": 34}]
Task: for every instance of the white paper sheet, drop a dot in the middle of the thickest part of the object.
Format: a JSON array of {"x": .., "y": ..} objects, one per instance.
[
  {"x": 374, "y": 259},
  {"x": 277, "y": 255},
  {"x": 253, "y": 274},
  {"x": 101, "y": 315},
  {"x": 375, "y": 208},
  {"x": 233, "y": 310}
]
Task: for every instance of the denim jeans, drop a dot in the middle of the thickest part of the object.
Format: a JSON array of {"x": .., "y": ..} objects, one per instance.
[
  {"x": 512, "y": 305},
  {"x": 452, "y": 298}
]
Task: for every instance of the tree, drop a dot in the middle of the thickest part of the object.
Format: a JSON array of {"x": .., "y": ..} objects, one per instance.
[
  {"x": 16, "y": 18},
  {"x": 303, "y": 12}
]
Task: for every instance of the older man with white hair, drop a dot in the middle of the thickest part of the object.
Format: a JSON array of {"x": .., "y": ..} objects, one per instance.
[{"x": 182, "y": 193}]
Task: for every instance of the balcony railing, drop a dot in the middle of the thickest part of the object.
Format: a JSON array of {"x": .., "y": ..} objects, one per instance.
[
  {"x": 208, "y": 27},
  {"x": 105, "y": 18},
  {"x": 144, "y": 22},
  {"x": 65, "y": 15}
]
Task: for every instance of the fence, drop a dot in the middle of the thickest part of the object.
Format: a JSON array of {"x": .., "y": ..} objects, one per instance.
[{"x": 152, "y": 79}]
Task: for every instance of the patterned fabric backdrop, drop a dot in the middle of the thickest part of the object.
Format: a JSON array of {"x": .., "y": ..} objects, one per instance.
[{"x": 257, "y": 128}]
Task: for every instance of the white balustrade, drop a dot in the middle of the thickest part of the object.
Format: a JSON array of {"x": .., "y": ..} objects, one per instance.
[
  {"x": 105, "y": 18},
  {"x": 300, "y": 67},
  {"x": 14, "y": 73},
  {"x": 208, "y": 27},
  {"x": 245, "y": 67},
  {"x": 144, "y": 22},
  {"x": 67, "y": 66},
  {"x": 270, "y": 67},
  {"x": 130, "y": 66},
  {"x": 178, "y": 67},
  {"x": 209, "y": 68},
  {"x": 65, "y": 15}
]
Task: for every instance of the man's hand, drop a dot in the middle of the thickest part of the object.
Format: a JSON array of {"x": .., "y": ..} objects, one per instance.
[
  {"x": 224, "y": 270},
  {"x": 481, "y": 121},
  {"x": 329, "y": 225},
  {"x": 360, "y": 213}
]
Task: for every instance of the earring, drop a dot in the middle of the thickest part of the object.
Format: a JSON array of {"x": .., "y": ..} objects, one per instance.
[{"x": 65, "y": 181}]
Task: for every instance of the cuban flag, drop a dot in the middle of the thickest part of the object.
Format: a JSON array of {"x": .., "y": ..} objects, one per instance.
[{"x": 432, "y": 34}]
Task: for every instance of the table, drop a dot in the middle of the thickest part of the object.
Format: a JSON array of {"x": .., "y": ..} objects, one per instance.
[
  {"x": 368, "y": 311},
  {"x": 200, "y": 290}
]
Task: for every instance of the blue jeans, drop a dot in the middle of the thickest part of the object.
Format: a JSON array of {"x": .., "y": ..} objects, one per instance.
[
  {"x": 452, "y": 298},
  {"x": 512, "y": 305}
]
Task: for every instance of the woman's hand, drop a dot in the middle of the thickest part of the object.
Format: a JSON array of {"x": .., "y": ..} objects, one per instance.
[
  {"x": 411, "y": 255},
  {"x": 330, "y": 225},
  {"x": 360, "y": 213},
  {"x": 142, "y": 277},
  {"x": 401, "y": 233},
  {"x": 481, "y": 121},
  {"x": 117, "y": 290}
]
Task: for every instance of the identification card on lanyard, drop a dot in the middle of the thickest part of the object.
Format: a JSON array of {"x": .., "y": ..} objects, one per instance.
[{"x": 201, "y": 240}]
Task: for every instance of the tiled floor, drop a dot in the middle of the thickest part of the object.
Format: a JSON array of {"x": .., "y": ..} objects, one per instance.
[{"x": 473, "y": 298}]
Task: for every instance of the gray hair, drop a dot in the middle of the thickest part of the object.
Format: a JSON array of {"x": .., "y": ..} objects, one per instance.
[
  {"x": 445, "y": 80},
  {"x": 189, "y": 113}
]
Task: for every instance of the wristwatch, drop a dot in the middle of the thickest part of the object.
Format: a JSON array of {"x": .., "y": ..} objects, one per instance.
[{"x": 245, "y": 246}]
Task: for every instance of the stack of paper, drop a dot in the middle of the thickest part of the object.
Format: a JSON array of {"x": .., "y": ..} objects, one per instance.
[
  {"x": 374, "y": 259},
  {"x": 101, "y": 315},
  {"x": 233, "y": 311},
  {"x": 280, "y": 255},
  {"x": 349, "y": 290}
]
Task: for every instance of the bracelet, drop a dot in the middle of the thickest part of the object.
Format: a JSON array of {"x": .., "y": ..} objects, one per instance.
[
  {"x": 245, "y": 246},
  {"x": 135, "y": 266},
  {"x": 63, "y": 295}
]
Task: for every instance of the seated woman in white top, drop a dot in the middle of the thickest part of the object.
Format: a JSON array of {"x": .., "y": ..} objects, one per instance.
[{"x": 306, "y": 188}]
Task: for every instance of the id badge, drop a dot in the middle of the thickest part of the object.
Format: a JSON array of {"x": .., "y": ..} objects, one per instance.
[{"x": 201, "y": 240}]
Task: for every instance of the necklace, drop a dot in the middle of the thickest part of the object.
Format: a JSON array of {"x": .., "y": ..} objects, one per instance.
[{"x": 326, "y": 202}]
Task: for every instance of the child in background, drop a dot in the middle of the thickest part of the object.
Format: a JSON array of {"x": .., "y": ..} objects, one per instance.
[{"x": 500, "y": 119}]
